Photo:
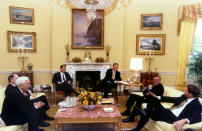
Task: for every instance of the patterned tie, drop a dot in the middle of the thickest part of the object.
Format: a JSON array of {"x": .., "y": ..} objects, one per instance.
[{"x": 113, "y": 75}]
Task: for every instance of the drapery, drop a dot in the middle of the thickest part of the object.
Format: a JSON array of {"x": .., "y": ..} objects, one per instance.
[{"x": 187, "y": 19}]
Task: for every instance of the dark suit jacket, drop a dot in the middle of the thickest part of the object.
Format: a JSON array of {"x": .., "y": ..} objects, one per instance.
[
  {"x": 192, "y": 111},
  {"x": 57, "y": 78},
  {"x": 18, "y": 109},
  {"x": 9, "y": 88},
  {"x": 108, "y": 76},
  {"x": 157, "y": 90}
]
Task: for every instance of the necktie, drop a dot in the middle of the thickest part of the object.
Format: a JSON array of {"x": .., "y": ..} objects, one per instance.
[
  {"x": 113, "y": 75},
  {"x": 178, "y": 106},
  {"x": 63, "y": 75}
]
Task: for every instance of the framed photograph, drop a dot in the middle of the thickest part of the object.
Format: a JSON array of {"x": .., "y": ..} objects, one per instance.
[
  {"x": 20, "y": 15},
  {"x": 150, "y": 44},
  {"x": 151, "y": 21},
  {"x": 21, "y": 40},
  {"x": 87, "y": 33}
]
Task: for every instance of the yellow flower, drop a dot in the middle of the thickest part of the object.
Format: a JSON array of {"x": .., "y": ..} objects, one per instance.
[
  {"x": 85, "y": 102},
  {"x": 99, "y": 97}
]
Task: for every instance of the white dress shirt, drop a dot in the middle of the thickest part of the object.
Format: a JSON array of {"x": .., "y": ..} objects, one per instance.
[{"x": 177, "y": 111}]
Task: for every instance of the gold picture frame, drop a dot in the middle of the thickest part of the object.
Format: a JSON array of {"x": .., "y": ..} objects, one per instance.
[
  {"x": 86, "y": 33},
  {"x": 150, "y": 43},
  {"x": 151, "y": 21},
  {"x": 21, "y": 15},
  {"x": 21, "y": 40}
]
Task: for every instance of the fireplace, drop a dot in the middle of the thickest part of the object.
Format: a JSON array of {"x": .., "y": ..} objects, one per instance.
[
  {"x": 87, "y": 79},
  {"x": 72, "y": 68}
]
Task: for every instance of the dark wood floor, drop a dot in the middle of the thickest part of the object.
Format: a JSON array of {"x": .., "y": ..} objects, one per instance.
[{"x": 121, "y": 105}]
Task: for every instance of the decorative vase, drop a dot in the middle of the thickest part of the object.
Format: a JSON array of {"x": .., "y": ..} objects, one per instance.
[{"x": 89, "y": 107}]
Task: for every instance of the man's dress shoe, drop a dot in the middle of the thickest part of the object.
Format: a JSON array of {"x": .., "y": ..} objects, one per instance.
[
  {"x": 129, "y": 119},
  {"x": 46, "y": 117}
]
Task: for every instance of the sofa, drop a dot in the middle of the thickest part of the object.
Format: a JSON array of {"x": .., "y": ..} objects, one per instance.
[{"x": 163, "y": 126}]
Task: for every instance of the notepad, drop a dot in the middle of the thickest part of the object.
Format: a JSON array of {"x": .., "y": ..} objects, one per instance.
[{"x": 108, "y": 109}]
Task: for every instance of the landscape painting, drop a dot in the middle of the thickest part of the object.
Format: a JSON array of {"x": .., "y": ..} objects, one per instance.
[
  {"x": 146, "y": 43},
  {"x": 87, "y": 33},
  {"x": 151, "y": 21},
  {"x": 21, "y": 40},
  {"x": 20, "y": 15}
]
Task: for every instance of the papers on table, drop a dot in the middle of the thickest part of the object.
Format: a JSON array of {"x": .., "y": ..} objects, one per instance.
[
  {"x": 123, "y": 82},
  {"x": 108, "y": 109},
  {"x": 107, "y": 101}
]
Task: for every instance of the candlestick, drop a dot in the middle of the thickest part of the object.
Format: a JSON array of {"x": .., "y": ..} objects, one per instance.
[
  {"x": 149, "y": 62},
  {"x": 67, "y": 51},
  {"x": 107, "y": 52}
]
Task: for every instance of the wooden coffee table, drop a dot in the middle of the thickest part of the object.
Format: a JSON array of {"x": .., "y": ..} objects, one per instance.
[{"x": 79, "y": 115}]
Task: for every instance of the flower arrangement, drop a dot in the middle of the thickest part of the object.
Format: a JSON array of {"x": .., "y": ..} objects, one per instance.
[
  {"x": 89, "y": 98},
  {"x": 99, "y": 60},
  {"x": 76, "y": 59}
]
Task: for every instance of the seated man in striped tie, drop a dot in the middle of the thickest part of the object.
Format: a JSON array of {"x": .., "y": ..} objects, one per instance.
[
  {"x": 63, "y": 81},
  {"x": 186, "y": 109}
]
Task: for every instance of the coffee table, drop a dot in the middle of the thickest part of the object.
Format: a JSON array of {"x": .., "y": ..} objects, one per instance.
[{"x": 79, "y": 115}]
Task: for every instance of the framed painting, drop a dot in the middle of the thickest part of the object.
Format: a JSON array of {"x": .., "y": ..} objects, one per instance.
[
  {"x": 21, "y": 40},
  {"x": 87, "y": 33},
  {"x": 151, "y": 21},
  {"x": 150, "y": 44},
  {"x": 20, "y": 15}
]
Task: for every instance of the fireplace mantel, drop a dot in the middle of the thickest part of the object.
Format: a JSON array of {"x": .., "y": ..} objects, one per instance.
[{"x": 73, "y": 67}]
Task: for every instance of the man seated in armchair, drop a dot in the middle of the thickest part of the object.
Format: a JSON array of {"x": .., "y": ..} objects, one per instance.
[
  {"x": 63, "y": 81},
  {"x": 186, "y": 109},
  {"x": 112, "y": 78}
]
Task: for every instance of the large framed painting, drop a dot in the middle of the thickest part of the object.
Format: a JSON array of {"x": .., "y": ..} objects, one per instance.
[
  {"x": 20, "y": 15},
  {"x": 151, "y": 21},
  {"x": 87, "y": 33},
  {"x": 21, "y": 40},
  {"x": 150, "y": 43}
]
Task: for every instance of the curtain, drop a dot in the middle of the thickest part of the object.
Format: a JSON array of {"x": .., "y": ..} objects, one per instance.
[{"x": 187, "y": 19}]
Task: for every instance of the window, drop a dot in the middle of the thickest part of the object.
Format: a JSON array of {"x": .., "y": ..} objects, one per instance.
[{"x": 194, "y": 70}]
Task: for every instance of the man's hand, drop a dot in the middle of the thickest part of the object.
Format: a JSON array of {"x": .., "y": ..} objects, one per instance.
[
  {"x": 152, "y": 94},
  {"x": 39, "y": 104},
  {"x": 178, "y": 125},
  {"x": 117, "y": 82},
  {"x": 34, "y": 95},
  {"x": 69, "y": 82}
]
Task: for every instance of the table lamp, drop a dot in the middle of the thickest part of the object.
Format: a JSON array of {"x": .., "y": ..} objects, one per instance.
[{"x": 136, "y": 64}]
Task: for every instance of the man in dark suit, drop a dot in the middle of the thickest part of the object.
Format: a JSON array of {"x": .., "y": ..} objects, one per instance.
[
  {"x": 63, "y": 81},
  {"x": 18, "y": 109},
  {"x": 112, "y": 78},
  {"x": 186, "y": 109},
  {"x": 157, "y": 88},
  {"x": 11, "y": 79},
  {"x": 42, "y": 111}
]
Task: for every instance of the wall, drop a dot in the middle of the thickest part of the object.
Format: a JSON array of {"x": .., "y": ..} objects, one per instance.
[
  {"x": 41, "y": 60},
  {"x": 53, "y": 27}
]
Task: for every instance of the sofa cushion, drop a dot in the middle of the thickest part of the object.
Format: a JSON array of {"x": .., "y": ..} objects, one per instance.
[{"x": 2, "y": 94}]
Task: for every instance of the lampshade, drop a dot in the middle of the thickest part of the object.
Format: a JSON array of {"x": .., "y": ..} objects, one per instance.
[{"x": 136, "y": 64}]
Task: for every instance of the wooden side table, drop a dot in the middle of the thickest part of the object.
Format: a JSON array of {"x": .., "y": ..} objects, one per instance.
[{"x": 146, "y": 78}]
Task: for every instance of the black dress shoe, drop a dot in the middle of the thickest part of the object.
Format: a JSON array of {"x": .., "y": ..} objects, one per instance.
[
  {"x": 46, "y": 117},
  {"x": 129, "y": 119},
  {"x": 125, "y": 113},
  {"x": 44, "y": 124}
]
